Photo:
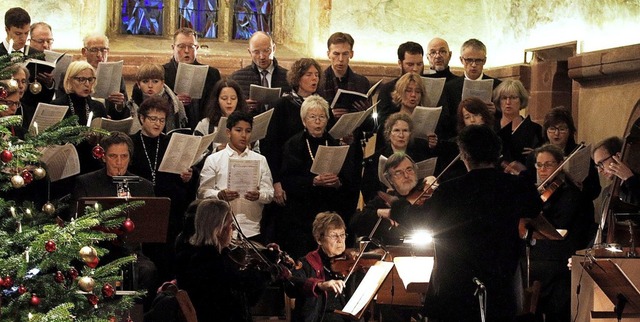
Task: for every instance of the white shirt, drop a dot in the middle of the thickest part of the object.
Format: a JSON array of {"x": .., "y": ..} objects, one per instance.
[{"x": 214, "y": 177}]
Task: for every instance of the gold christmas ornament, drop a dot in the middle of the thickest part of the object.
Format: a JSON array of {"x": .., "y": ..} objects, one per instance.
[
  {"x": 17, "y": 181},
  {"x": 35, "y": 88},
  {"x": 86, "y": 283},
  {"x": 13, "y": 85},
  {"x": 39, "y": 173},
  {"x": 48, "y": 208},
  {"x": 88, "y": 253}
]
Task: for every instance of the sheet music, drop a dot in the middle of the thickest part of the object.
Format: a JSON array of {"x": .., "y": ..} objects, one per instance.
[
  {"x": 110, "y": 125},
  {"x": 220, "y": 135},
  {"x": 382, "y": 161},
  {"x": 62, "y": 61},
  {"x": 180, "y": 154},
  {"x": 482, "y": 89},
  {"x": 329, "y": 159},
  {"x": 426, "y": 167},
  {"x": 368, "y": 287},
  {"x": 61, "y": 161},
  {"x": 345, "y": 99},
  {"x": 244, "y": 175},
  {"x": 577, "y": 168},
  {"x": 414, "y": 269},
  {"x": 265, "y": 95},
  {"x": 348, "y": 123},
  {"x": 251, "y": 209},
  {"x": 109, "y": 76},
  {"x": 373, "y": 88},
  {"x": 425, "y": 120},
  {"x": 260, "y": 125},
  {"x": 190, "y": 79},
  {"x": 203, "y": 147},
  {"x": 47, "y": 115},
  {"x": 433, "y": 87}
]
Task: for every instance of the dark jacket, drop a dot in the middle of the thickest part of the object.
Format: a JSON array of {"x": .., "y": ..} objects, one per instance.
[
  {"x": 99, "y": 184},
  {"x": 446, "y": 73},
  {"x": 251, "y": 75}
]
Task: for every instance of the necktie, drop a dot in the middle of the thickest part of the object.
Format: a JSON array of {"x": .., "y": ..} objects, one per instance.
[{"x": 264, "y": 81}]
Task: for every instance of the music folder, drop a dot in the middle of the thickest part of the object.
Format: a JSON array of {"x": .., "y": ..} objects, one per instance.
[
  {"x": 151, "y": 219},
  {"x": 616, "y": 285},
  {"x": 354, "y": 309}
]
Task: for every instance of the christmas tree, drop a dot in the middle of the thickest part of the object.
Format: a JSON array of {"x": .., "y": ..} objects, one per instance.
[{"x": 48, "y": 267}]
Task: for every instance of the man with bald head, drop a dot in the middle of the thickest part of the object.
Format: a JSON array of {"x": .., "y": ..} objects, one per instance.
[
  {"x": 263, "y": 71},
  {"x": 439, "y": 55}
]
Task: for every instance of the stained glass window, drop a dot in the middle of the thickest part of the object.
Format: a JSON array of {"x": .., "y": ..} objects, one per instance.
[
  {"x": 199, "y": 15},
  {"x": 142, "y": 17},
  {"x": 250, "y": 16}
]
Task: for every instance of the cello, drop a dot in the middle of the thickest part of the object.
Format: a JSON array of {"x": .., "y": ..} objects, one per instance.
[{"x": 612, "y": 205}]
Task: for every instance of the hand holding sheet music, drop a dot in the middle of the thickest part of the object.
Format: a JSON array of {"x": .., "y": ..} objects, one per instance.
[
  {"x": 347, "y": 123},
  {"x": 264, "y": 95},
  {"x": 109, "y": 76},
  {"x": 47, "y": 115},
  {"x": 190, "y": 79},
  {"x": 433, "y": 87},
  {"x": 425, "y": 120},
  {"x": 181, "y": 155},
  {"x": 329, "y": 159},
  {"x": 482, "y": 89}
]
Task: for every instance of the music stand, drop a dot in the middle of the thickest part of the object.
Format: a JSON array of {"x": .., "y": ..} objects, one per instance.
[
  {"x": 616, "y": 286},
  {"x": 368, "y": 288},
  {"x": 631, "y": 220},
  {"x": 151, "y": 219},
  {"x": 538, "y": 228}
]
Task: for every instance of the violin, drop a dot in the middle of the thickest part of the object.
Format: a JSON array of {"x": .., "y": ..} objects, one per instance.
[
  {"x": 343, "y": 265},
  {"x": 553, "y": 182}
]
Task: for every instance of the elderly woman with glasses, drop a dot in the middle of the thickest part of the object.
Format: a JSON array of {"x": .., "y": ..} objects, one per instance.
[
  {"x": 79, "y": 84},
  {"x": 309, "y": 193},
  {"x": 567, "y": 208},
  {"x": 317, "y": 289}
]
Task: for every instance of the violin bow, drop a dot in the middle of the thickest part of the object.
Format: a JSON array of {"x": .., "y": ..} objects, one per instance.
[{"x": 437, "y": 178}]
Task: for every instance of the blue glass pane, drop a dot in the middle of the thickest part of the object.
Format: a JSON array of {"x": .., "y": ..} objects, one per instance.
[
  {"x": 199, "y": 15},
  {"x": 142, "y": 17},
  {"x": 250, "y": 16}
]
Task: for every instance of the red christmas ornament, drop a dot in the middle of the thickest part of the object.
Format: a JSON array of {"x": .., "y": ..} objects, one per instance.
[
  {"x": 27, "y": 176},
  {"x": 73, "y": 273},
  {"x": 50, "y": 246},
  {"x": 59, "y": 277},
  {"x": 107, "y": 290},
  {"x": 22, "y": 289},
  {"x": 98, "y": 152},
  {"x": 6, "y": 156},
  {"x": 35, "y": 300},
  {"x": 112, "y": 319},
  {"x": 93, "y": 263},
  {"x": 8, "y": 281},
  {"x": 128, "y": 225},
  {"x": 3, "y": 92},
  {"x": 93, "y": 299}
]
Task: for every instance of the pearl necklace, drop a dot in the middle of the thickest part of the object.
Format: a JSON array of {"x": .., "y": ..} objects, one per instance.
[
  {"x": 326, "y": 143},
  {"x": 155, "y": 161},
  {"x": 73, "y": 110}
]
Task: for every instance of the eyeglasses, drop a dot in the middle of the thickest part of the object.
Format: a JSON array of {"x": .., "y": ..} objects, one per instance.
[
  {"x": 477, "y": 61},
  {"x": 442, "y": 52},
  {"x": 265, "y": 52},
  {"x": 336, "y": 237},
  {"x": 95, "y": 50},
  {"x": 513, "y": 98},
  {"x": 314, "y": 118},
  {"x": 546, "y": 165},
  {"x": 83, "y": 80},
  {"x": 42, "y": 41},
  {"x": 10, "y": 103},
  {"x": 401, "y": 173},
  {"x": 155, "y": 119},
  {"x": 400, "y": 131},
  {"x": 554, "y": 129},
  {"x": 600, "y": 164},
  {"x": 189, "y": 46}
]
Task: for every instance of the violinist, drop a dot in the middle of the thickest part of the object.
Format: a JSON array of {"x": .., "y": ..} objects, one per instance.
[
  {"x": 218, "y": 288},
  {"x": 559, "y": 129},
  {"x": 401, "y": 173},
  {"x": 567, "y": 208},
  {"x": 474, "y": 222},
  {"x": 316, "y": 288}
]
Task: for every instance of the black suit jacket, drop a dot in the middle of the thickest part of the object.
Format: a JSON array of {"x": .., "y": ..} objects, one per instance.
[{"x": 99, "y": 184}]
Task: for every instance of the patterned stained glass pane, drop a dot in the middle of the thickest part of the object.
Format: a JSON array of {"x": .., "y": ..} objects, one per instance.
[
  {"x": 199, "y": 15},
  {"x": 250, "y": 16},
  {"x": 142, "y": 17}
]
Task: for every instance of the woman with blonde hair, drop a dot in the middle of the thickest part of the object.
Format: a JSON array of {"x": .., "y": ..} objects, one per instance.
[{"x": 79, "y": 84}]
